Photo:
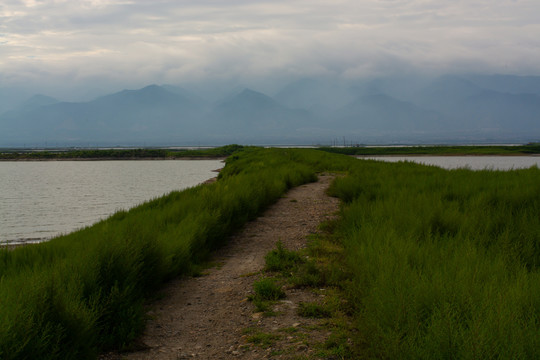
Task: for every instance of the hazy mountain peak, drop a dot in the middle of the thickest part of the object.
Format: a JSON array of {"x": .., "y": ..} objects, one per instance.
[
  {"x": 151, "y": 94},
  {"x": 251, "y": 98},
  {"x": 38, "y": 100},
  {"x": 249, "y": 93},
  {"x": 184, "y": 93},
  {"x": 153, "y": 88}
]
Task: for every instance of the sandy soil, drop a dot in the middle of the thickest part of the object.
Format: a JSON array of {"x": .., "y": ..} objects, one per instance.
[{"x": 206, "y": 317}]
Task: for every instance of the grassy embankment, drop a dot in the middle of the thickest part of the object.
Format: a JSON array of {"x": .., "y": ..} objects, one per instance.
[
  {"x": 119, "y": 154},
  {"x": 439, "y": 263},
  {"x": 83, "y": 293}
]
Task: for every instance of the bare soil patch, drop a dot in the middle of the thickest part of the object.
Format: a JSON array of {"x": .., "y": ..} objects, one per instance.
[{"x": 210, "y": 317}]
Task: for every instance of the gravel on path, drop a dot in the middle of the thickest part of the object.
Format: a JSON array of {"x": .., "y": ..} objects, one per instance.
[{"x": 205, "y": 317}]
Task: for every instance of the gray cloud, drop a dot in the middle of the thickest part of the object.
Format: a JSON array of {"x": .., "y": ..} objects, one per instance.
[{"x": 133, "y": 43}]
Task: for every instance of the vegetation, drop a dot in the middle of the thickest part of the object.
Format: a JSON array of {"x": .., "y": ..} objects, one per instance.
[
  {"x": 321, "y": 259},
  {"x": 83, "y": 293},
  {"x": 267, "y": 291},
  {"x": 263, "y": 340},
  {"x": 282, "y": 259},
  {"x": 313, "y": 310},
  {"x": 436, "y": 263},
  {"x": 444, "y": 264},
  {"x": 532, "y": 148},
  {"x": 223, "y": 151},
  {"x": 119, "y": 154}
]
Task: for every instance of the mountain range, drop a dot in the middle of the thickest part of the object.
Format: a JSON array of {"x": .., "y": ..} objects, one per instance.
[{"x": 473, "y": 108}]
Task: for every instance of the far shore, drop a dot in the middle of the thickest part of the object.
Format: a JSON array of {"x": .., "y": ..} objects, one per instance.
[
  {"x": 119, "y": 158},
  {"x": 447, "y": 155}
]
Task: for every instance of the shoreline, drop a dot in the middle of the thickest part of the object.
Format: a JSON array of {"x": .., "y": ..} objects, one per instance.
[
  {"x": 120, "y": 158},
  {"x": 447, "y": 155},
  {"x": 9, "y": 245},
  {"x": 190, "y": 158}
]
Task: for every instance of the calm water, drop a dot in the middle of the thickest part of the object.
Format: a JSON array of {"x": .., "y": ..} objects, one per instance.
[
  {"x": 470, "y": 162},
  {"x": 42, "y": 199}
]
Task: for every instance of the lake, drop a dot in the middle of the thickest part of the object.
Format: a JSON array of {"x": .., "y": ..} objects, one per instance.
[
  {"x": 470, "y": 162},
  {"x": 43, "y": 199}
]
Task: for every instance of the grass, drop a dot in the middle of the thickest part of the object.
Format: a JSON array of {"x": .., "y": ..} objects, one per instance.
[
  {"x": 314, "y": 310},
  {"x": 444, "y": 264},
  {"x": 264, "y": 340},
  {"x": 299, "y": 268},
  {"x": 532, "y": 148},
  {"x": 83, "y": 293},
  {"x": 435, "y": 263},
  {"x": 268, "y": 289},
  {"x": 266, "y": 292},
  {"x": 282, "y": 260},
  {"x": 157, "y": 153}
]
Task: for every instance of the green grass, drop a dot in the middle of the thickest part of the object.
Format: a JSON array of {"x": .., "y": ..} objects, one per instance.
[
  {"x": 266, "y": 292},
  {"x": 268, "y": 289},
  {"x": 445, "y": 264},
  {"x": 282, "y": 260},
  {"x": 311, "y": 269},
  {"x": 264, "y": 340},
  {"x": 313, "y": 310},
  {"x": 436, "y": 263},
  {"x": 83, "y": 293}
]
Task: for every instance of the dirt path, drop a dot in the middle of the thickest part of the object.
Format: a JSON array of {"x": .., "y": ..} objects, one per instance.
[{"x": 206, "y": 317}]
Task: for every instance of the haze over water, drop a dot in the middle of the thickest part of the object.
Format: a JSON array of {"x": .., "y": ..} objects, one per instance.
[{"x": 39, "y": 200}]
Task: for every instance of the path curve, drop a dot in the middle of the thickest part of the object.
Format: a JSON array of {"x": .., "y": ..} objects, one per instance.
[{"x": 203, "y": 317}]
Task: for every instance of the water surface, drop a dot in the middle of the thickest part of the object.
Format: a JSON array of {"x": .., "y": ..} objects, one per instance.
[
  {"x": 469, "y": 162},
  {"x": 42, "y": 199}
]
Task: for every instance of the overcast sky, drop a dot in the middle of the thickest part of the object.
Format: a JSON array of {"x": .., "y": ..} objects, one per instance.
[{"x": 128, "y": 44}]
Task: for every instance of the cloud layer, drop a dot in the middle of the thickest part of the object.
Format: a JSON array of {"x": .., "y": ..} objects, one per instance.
[{"x": 133, "y": 43}]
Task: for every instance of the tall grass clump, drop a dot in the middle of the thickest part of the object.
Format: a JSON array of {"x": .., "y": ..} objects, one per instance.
[
  {"x": 445, "y": 264},
  {"x": 282, "y": 260},
  {"x": 84, "y": 292}
]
